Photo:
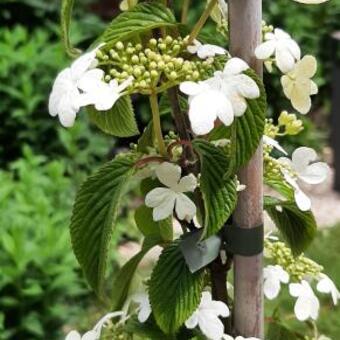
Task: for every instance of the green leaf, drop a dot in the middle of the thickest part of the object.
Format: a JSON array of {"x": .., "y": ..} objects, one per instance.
[
  {"x": 174, "y": 292},
  {"x": 297, "y": 227},
  {"x": 122, "y": 281},
  {"x": 145, "y": 223},
  {"x": 277, "y": 331},
  {"x": 65, "y": 21},
  {"x": 119, "y": 121},
  {"x": 142, "y": 18},
  {"x": 249, "y": 128},
  {"x": 279, "y": 185},
  {"x": 218, "y": 190},
  {"x": 94, "y": 216},
  {"x": 146, "y": 140}
]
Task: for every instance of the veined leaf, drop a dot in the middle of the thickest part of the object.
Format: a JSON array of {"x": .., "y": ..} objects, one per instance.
[
  {"x": 174, "y": 292},
  {"x": 145, "y": 223},
  {"x": 66, "y": 16},
  {"x": 249, "y": 127},
  {"x": 122, "y": 281},
  {"x": 142, "y": 18},
  {"x": 119, "y": 121},
  {"x": 297, "y": 227},
  {"x": 94, "y": 215},
  {"x": 280, "y": 186},
  {"x": 219, "y": 190},
  {"x": 146, "y": 140}
]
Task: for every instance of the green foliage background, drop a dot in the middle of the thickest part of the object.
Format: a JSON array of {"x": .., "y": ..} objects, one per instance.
[{"x": 39, "y": 274}]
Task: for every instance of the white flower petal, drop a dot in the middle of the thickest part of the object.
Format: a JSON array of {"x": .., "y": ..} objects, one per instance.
[
  {"x": 306, "y": 67},
  {"x": 211, "y": 326},
  {"x": 187, "y": 183},
  {"x": 311, "y": 2},
  {"x": 192, "y": 322},
  {"x": 169, "y": 174},
  {"x": 302, "y": 200},
  {"x": 302, "y": 157},
  {"x": 275, "y": 144},
  {"x": 89, "y": 80},
  {"x": 294, "y": 48},
  {"x": 296, "y": 289},
  {"x": 284, "y": 59},
  {"x": 235, "y": 66},
  {"x": 281, "y": 34},
  {"x": 327, "y": 286},
  {"x": 265, "y": 50},
  {"x": 185, "y": 207},
  {"x": 166, "y": 208},
  {"x": 302, "y": 308},
  {"x": 157, "y": 196},
  {"x": 191, "y": 88},
  {"x": 247, "y": 86},
  {"x": 83, "y": 63},
  {"x": 73, "y": 335},
  {"x": 315, "y": 173},
  {"x": 271, "y": 288}
]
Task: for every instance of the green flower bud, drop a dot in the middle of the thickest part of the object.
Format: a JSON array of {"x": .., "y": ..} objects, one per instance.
[
  {"x": 107, "y": 78},
  {"x": 153, "y": 42},
  {"x": 162, "y": 47},
  {"x": 153, "y": 65},
  {"x": 119, "y": 45},
  {"x": 137, "y": 72},
  {"x": 154, "y": 74},
  {"x": 168, "y": 40},
  {"x": 161, "y": 65},
  {"x": 173, "y": 75},
  {"x": 135, "y": 59}
]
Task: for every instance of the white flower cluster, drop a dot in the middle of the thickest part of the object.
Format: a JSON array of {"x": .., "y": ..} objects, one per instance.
[
  {"x": 303, "y": 166},
  {"x": 82, "y": 84},
  {"x": 221, "y": 97},
  {"x": 206, "y": 317},
  {"x": 307, "y": 304},
  {"x": 297, "y": 73}
]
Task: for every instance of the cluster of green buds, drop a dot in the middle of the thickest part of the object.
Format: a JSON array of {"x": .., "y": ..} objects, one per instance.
[
  {"x": 266, "y": 28},
  {"x": 157, "y": 61},
  {"x": 290, "y": 123},
  {"x": 299, "y": 267}
]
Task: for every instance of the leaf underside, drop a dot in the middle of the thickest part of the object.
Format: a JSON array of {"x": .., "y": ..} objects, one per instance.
[
  {"x": 297, "y": 227},
  {"x": 94, "y": 215}
]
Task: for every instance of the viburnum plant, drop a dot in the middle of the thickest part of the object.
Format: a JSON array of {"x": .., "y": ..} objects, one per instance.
[{"x": 189, "y": 175}]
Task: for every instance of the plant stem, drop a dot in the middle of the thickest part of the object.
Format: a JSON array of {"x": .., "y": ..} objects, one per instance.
[
  {"x": 157, "y": 123},
  {"x": 201, "y": 21},
  {"x": 185, "y": 10}
]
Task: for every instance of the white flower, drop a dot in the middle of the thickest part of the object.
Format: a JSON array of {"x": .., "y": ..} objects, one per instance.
[
  {"x": 298, "y": 86},
  {"x": 307, "y": 304},
  {"x": 205, "y": 106},
  {"x": 235, "y": 85},
  {"x": 65, "y": 95},
  {"x": 207, "y": 317},
  {"x": 311, "y": 2},
  {"x": 205, "y": 51},
  {"x": 273, "y": 276},
  {"x": 99, "y": 93},
  {"x": 274, "y": 143},
  {"x": 165, "y": 200},
  {"x": 144, "y": 310},
  {"x": 327, "y": 286},
  {"x": 222, "y": 96},
  {"x": 305, "y": 168},
  {"x": 229, "y": 337},
  {"x": 95, "y": 333},
  {"x": 280, "y": 43}
]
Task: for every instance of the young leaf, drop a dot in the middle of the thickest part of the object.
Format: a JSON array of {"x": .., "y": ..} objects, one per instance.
[
  {"x": 122, "y": 281},
  {"x": 94, "y": 215},
  {"x": 219, "y": 191},
  {"x": 250, "y": 126},
  {"x": 145, "y": 223},
  {"x": 119, "y": 121},
  {"x": 297, "y": 227},
  {"x": 142, "y": 18},
  {"x": 65, "y": 19},
  {"x": 174, "y": 292}
]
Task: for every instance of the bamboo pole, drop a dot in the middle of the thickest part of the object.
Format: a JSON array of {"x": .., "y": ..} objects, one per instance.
[{"x": 245, "y": 18}]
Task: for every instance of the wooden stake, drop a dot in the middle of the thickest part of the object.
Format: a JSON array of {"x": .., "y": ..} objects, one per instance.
[{"x": 245, "y": 21}]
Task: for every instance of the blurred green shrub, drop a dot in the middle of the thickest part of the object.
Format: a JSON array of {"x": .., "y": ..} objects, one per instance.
[
  {"x": 29, "y": 62},
  {"x": 40, "y": 285}
]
